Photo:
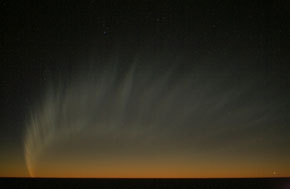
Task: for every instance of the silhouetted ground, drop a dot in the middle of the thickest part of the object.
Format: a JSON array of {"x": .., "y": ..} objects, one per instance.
[{"x": 263, "y": 183}]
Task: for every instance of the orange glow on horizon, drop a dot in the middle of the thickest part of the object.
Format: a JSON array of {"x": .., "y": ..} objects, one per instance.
[{"x": 166, "y": 168}]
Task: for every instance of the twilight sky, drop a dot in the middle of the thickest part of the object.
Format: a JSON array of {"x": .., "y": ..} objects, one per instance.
[{"x": 144, "y": 89}]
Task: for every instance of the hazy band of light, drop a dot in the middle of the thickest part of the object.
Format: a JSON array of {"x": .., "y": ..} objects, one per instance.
[{"x": 142, "y": 117}]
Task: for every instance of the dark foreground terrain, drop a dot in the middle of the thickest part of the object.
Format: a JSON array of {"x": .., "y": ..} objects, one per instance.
[{"x": 263, "y": 183}]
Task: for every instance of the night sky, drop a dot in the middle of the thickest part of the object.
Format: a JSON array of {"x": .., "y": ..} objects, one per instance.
[{"x": 144, "y": 88}]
